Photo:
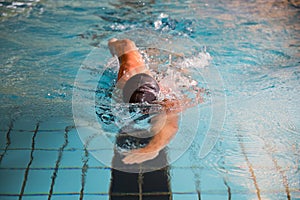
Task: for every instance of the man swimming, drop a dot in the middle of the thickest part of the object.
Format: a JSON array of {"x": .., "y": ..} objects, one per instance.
[{"x": 138, "y": 86}]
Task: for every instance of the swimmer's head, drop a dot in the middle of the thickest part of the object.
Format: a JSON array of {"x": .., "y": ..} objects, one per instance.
[{"x": 140, "y": 88}]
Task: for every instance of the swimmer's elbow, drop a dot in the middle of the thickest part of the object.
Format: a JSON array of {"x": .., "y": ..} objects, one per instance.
[
  {"x": 174, "y": 127},
  {"x": 172, "y": 121},
  {"x": 171, "y": 129}
]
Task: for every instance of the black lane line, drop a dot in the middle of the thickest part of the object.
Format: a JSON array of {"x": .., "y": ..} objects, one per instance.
[
  {"x": 59, "y": 158},
  {"x": 29, "y": 163},
  {"x": 250, "y": 167},
  {"x": 84, "y": 172},
  {"x": 85, "y": 166},
  {"x": 8, "y": 141},
  {"x": 228, "y": 189}
]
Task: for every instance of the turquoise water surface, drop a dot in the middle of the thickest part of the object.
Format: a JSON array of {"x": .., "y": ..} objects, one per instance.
[{"x": 252, "y": 73}]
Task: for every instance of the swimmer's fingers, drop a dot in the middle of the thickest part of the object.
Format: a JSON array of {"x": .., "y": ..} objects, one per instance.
[
  {"x": 136, "y": 156},
  {"x": 111, "y": 46},
  {"x": 120, "y": 47},
  {"x": 125, "y": 153}
]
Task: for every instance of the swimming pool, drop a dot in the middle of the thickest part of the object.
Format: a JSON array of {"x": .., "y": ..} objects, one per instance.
[{"x": 254, "y": 47}]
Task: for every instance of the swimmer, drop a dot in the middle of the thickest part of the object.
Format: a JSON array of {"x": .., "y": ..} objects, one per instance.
[{"x": 139, "y": 86}]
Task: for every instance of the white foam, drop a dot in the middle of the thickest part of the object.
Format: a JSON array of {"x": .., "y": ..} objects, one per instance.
[{"x": 176, "y": 79}]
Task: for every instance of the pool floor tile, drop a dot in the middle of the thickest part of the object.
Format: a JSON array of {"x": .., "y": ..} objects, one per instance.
[
  {"x": 242, "y": 196},
  {"x": 274, "y": 195},
  {"x": 212, "y": 181},
  {"x": 25, "y": 125},
  {"x": 49, "y": 140},
  {"x": 35, "y": 197},
  {"x": 182, "y": 180},
  {"x": 56, "y": 124},
  {"x": 182, "y": 161},
  {"x": 20, "y": 140},
  {"x": 185, "y": 197},
  {"x": 96, "y": 197},
  {"x": 72, "y": 158},
  {"x": 39, "y": 181},
  {"x": 9, "y": 197},
  {"x": 4, "y": 124},
  {"x": 68, "y": 181},
  {"x": 93, "y": 162},
  {"x": 44, "y": 159},
  {"x": 3, "y": 141},
  {"x": 74, "y": 140},
  {"x": 97, "y": 180},
  {"x": 214, "y": 197},
  {"x": 11, "y": 181},
  {"x": 16, "y": 159},
  {"x": 237, "y": 186},
  {"x": 66, "y": 197}
]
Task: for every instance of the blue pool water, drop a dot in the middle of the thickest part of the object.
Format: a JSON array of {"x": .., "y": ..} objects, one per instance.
[{"x": 253, "y": 75}]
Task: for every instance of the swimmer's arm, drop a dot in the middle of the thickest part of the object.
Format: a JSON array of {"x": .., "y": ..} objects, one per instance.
[
  {"x": 164, "y": 136},
  {"x": 176, "y": 106},
  {"x": 158, "y": 142}
]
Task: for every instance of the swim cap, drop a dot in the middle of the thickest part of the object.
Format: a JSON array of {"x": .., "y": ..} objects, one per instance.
[{"x": 140, "y": 88}]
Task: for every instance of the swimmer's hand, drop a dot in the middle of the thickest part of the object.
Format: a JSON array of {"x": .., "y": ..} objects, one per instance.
[
  {"x": 177, "y": 106},
  {"x": 120, "y": 47},
  {"x": 139, "y": 156}
]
